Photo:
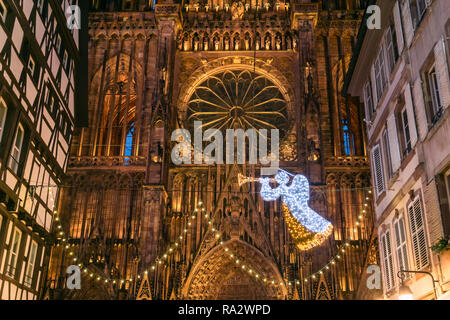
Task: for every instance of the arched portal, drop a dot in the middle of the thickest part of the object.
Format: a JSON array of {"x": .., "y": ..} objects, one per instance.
[{"x": 217, "y": 275}]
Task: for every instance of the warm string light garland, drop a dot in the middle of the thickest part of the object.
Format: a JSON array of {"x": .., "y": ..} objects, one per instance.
[
  {"x": 179, "y": 190},
  {"x": 172, "y": 248},
  {"x": 271, "y": 281},
  {"x": 158, "y": 261}
]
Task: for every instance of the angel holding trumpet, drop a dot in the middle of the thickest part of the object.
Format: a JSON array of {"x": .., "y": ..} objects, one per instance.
[{"x": 307, "y": 228}]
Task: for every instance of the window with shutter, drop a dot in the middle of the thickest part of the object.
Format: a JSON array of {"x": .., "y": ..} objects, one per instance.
[
  {"x": 392, "y": 143},
  {"x": 441, "y": 55},
  {"x": 443, "y": 189},
  {"x": 398, "y": 27},
  {"x": 433, "y": 86},
  {"x": 14, "y": 159},
  {"x": 409, "y": 107},
  {"x": 418, "y": 236},
  {"x": 380, "y": 74},
  {"x": 14, "y": 253},
  {"x": 433, "y": 95},
  {"x": 400, "y": 244},
  {"x": 31, "y": 263},
  {"x": 387, "y": 152},
  {"x": 388, "y": 267},
  {"x": 378, "y": 169},
  {"x": 447, "y": 181},
  {"x": 368, "y": 100},
  {"x": 446, "y": 48},
  {"x": 418, "y": 9},
  {"x": 391, "y": 46},
  {"x": 406, "y": 132}
]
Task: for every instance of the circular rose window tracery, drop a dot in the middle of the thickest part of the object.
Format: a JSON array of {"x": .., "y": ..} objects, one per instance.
[{"x": 238, "y": 99}]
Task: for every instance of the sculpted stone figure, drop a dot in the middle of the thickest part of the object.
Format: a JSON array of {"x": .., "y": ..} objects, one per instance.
[
  {"x": 216, "y": 43},
  {"x": 278, "y": 43},
  {"x": 196, "y": 41},
  {"x": 247, "y": 42},
  {"x": 185, "y": 43},
  {"x": 227, "y": 43},
  {"x": 288, "y": 43},
  {"x": 267, "y": 43}
]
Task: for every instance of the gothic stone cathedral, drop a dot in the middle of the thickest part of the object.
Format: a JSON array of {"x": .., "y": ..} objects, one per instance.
[{"x": 156, "y": 67}]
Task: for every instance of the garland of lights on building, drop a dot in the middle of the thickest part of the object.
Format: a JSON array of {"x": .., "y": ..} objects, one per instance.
[{"x": 301, "y": 234}]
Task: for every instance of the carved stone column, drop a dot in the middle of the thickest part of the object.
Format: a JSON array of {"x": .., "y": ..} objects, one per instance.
[
  {"x": 155, "y": 198},
  {"x": 305, "y": 17},
  {"x": 235, "y": 209},
  {"x": 167, "y": 16}
]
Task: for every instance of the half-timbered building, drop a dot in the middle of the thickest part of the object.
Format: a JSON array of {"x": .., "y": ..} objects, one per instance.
[{"x": 38, "y": 56}]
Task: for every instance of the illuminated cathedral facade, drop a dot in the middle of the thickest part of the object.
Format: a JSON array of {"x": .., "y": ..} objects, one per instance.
[{"x": 142, "y": 227}]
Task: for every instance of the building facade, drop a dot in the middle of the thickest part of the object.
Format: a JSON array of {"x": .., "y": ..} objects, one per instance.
[
  {"x": 402, "y": 75},
  {"x": 38, "y": 56},
  {"x": 140, "y": 226}
]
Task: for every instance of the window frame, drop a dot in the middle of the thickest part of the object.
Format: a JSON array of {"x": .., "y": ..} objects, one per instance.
[
  {"x": 19, "y": 150},
  {"x": 31, "y": 264},
  {"x": 406, "y": 133},
  {"x": 401, "y": 244},
  {"x": 381, "y": 170},
  {"x": 387, "y": 259},
  {"x": 381, "y": 80},
  {"x": 414, "y": 231},
  {"x": 391, "y": 46},
  {"x": 386, "y": 144},
  {"x": 11, "y": 271},
  {"x": 417, "y": 14},
  {"x": 369, "y": 102},
  {"x": 447, "y": 183},
  {"x": 434, "y": 91}
]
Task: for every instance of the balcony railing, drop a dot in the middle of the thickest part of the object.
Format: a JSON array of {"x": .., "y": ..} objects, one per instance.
[
  {"x": 436, "y": 116},
  {"x": 105, "y": 161}
]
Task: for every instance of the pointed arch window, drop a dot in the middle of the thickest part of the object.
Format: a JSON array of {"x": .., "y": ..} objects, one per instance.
[
  {"x": 349, "y": 139},
  {"x": 129, "y": 143},
  {"x": 116, "y": 134}
]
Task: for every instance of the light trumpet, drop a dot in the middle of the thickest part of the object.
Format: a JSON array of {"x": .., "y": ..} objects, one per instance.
[{"x": 243, "y": 179}]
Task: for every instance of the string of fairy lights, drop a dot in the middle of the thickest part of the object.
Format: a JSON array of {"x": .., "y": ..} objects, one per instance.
[{"x": 163, "y": 258}]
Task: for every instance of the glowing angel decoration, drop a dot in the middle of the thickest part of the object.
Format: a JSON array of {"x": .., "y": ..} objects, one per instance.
[{"x": 307, "y": 228}]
